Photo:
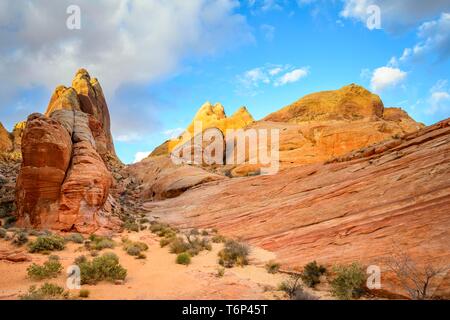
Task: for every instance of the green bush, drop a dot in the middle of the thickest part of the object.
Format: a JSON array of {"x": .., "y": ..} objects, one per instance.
[
  {"x": 105, "y": 267},
  {"x": 220, "y": 272},
  {"x": 272, "y": 267},
  {"x": 131, "y": 226},
  {"x": 2, "y": 233},
  {"x": 197, "y": 244},
  {"x": 20, "y": 238},
  {"x": 184, "y": 258},
  {"x": 218, "y": 238},
  {"x": 134, "y": 248},
  {"x": 47, "y": 291},
  {"x": 143, "y": 220},
  {"x": 50, "y": 269},
  {"x": 47, "y": 243},
  {"x": 165, "y": 241},
  {"x": 234, "y": 253},
  {"x": 75, "y": 238},
  {"x": 38, "y": 233},
  {"x": 178, "y": 245},
  {"x": 348, "y": 282},
  {"x": 84, "y": 293},
  {"x": 311, "y": 274},
  {"x": 100, "y": 242}
]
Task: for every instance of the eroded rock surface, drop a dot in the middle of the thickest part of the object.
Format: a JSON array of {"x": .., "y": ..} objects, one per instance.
[{"x": 360, "y": 207}]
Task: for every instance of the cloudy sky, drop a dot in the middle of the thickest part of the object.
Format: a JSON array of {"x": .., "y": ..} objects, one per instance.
[{"x": 159, "y": 61}]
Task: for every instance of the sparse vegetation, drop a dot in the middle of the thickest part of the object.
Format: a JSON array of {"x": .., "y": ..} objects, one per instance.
[
  {"x": 417, "y": 281},
  {"x": 20, "y": 238},
  {"x": 100, "y": 242},
  {"x": 220, "y": 272},
  {"x": 217, "y": 238},
  {"x": 234, "y": 253},
  {"x": 178, "y": 245},
  {"x": 50, "y": 269},
  {"x": 272, "y": 267},
  {"x": 348, "y": 282},
  {"x": 84, "y": 293},
  {"x": 47, "y": 291},
  {"x": 9, "y": 222},
  {"x": 134, "y": 248},
  {"x": 311, "y": 274},
  {"x": 75, "y": 238},
  {"x": 2, "y": 233},
  {"x": 184, "y": 258},
  {"x": 131, "y": 226},
  {"x": 105, "y": 267},
  {"x": 47, "y": 243},
  {"x": 291, "y": 286}
]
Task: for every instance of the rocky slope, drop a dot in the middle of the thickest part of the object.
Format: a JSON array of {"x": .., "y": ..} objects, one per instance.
[
  {"x": 359, "y": 207},
  {"x": 64, "y": 182}
]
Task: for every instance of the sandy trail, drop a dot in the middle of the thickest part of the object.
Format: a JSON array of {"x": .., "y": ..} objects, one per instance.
[{"x": 158, "y": 276}]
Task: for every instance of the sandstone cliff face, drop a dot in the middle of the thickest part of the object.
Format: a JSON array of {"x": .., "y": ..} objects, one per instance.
[
  {"x": 360, "y": 207},
  {"x": 63, "y": 182},
  {"x": 5, "y": 139}
]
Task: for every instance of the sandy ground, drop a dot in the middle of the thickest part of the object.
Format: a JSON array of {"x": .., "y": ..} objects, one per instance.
[{"x": 158, "y": 276}]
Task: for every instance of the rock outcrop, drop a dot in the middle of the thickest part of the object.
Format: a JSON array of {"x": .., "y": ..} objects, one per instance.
[
  {"x": 210, "y": 116},
  {"x": 360, "y": 207},
  {"x": 5, "y": 140},
  {"x": 63, "y": 182}
]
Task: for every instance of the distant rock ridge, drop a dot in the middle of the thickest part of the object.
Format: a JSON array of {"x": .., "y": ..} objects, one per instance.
[
  {"x": 64, "y": 182},
  {"x": 211, "y": 116}
]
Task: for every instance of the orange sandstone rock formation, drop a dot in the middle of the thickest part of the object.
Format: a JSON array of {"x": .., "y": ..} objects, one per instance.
[
  {"x": 63, "y": 182},
  {"x": 362, "y": 206}
]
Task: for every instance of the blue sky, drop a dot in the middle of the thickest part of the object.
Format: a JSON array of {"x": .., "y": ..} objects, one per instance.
[{"x": 157, "y": 69}]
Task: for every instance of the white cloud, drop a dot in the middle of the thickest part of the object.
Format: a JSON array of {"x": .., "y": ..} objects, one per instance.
[
  {"x": 251, "y": 81},
  {"x": 141, "y": 155},
  {"x": 385, "y": 77},
  {"x": 439, "y": 100},
  {"x": 173, "y": 133},
  {"x": 268, "y": 31},
  {"x": 396, "y": 15},
  {"x": 128, "y": 137},
  {"x": 292, "y": 76},
  {"x": 120, "y": 41}
]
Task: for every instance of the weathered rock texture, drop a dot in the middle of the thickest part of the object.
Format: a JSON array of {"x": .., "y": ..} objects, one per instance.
[
  {"x": 63, "y": 182},
  {"x": 210, "y": 116},
  {"x": 363, "y": 206}
]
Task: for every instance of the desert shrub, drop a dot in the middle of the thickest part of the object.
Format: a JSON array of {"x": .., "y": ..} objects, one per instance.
[
  {"x": 100, "y": 242},
  {"x": 143, "y": 220},
  {"x": 184, "y": 258},
  {"x": 311, "y": 274},
  {"x": 291, "y": 286},
  {"x": 131, "y": 226},
  {"x": 9, "y": 222},
  {"x": 105, "y": 267},
  {"x": 47, "y": 291},
  {"x": 348, "y": 282},
  {"x": 220, "y": 272},
  {"x": 79, "y": 260},
  {"x": 46, "y": 244},
  {"x": 205, "y": 233},
  {"x": 134, "y": 248},
  {"x": 50, "y": 269},
  {"x": 165, "y": 241},
  {"x": 84, "y": 293},
  {"x": 75, "y": 238},
  {"x": 234, "y": 253},
  {"x": 2, "y": 233},
  {"x": 38, "y": 233},
  {"x": 157, "y": 226},
  {"x": 141, "y": 256},
  {"x": 179, "y": 245},
  {"x": 272, "y": 267},
  {"x": 197, "y": 244},
  {"x": 218, "y": 238},
  {"x": 20, "y": 238}
]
